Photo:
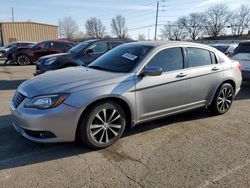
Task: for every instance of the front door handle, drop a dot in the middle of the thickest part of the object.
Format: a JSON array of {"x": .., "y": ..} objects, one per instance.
[
  {"x": 182, "y": 74},
  {"x": 215, "y": 68}
]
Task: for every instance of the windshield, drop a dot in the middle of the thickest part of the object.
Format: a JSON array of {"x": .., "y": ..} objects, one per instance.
[
  {"x": 10, "y": 45},
  {"x": 221, "y": 48},
  {"x": 121, "y": 59},
  {"x": 242, "y": 48},
  {"x": 35, "y": 45},
  {"x": 79, "y": 47}
]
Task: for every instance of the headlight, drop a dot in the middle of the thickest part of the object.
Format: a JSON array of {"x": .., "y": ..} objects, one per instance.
[
  {"x": 46, "y": 101},
  {"x": 49, "y": 61}
]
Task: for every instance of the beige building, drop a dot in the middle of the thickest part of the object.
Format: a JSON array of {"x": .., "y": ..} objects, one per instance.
[{"x": 26, "y": 31}]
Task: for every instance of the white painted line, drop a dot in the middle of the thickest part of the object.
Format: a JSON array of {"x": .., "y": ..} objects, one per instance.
[{"x": 224, "y": 174}]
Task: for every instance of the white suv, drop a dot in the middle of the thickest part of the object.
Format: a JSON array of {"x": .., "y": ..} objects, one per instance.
[{"x": 242, "y": 54}]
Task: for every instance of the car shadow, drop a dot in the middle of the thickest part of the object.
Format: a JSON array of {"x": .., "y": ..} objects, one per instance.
[
  {"x": 17, "y": 151},
  {"x": 10, "y": 84}
]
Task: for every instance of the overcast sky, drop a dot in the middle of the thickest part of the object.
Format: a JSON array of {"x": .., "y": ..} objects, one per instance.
[{"x": 138, "y": 13}]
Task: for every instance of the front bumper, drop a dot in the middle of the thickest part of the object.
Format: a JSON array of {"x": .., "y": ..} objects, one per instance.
[{"x": 46, "y": 126}]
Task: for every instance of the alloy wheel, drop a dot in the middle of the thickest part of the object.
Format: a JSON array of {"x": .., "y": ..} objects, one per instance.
[
  {"x": 225, "y": 99},
  {"x": 23, "y": 60},
  {"x": 105, "y": 126}
]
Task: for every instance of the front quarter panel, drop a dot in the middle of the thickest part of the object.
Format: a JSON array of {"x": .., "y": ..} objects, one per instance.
[{"x": 123, "y": 89}]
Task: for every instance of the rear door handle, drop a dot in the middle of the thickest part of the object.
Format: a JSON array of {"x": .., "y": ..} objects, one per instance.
[
  {"x": 182, "y": 74},
  {"x": 215, "y": 68}
]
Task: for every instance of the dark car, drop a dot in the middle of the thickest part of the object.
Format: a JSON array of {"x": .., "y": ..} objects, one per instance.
[
  {"x": 8, "y": 49},
  {"x": 29, "y": 55},
  {"x": 82, "y": 54},
  {"x": 10, "y": 53}
]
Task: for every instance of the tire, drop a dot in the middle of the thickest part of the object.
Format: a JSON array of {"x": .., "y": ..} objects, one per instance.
[
  {"x": 223, "y": 99},
  {"x": 23, "y": 59},
  {"x": 96, "y": 130}
]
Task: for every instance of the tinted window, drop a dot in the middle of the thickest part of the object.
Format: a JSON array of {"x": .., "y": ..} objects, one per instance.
[
  {"x": 213, "y": 58},
  {"x": 79, "y": 47},
  {"x": 169, "y": 59},
  {"x": 115, "y": 44},
  {"x": 221, "y": 48},
  {"x": 121, "y": 59},
  {"x": 198, "y": 57},
  {"x": 60, "y": 45},
  {"x": 99, "y": 47},
  {"x": 242, "y": 48}
]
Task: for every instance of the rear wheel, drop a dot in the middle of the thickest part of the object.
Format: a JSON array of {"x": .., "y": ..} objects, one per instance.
[
  {"x": 103, "y": 125},
  {"x": 23, "y": 59},
  {"x": 223, "y": 99}
]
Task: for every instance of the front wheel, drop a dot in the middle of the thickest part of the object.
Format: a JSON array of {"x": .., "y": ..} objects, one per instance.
[
  {"x": 23, "y": 59},
  {"x": 223, "y": 99},
  {"x": 103, "y": 125}
]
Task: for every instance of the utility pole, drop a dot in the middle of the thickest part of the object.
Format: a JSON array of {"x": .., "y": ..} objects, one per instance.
[
  {"x": 156, "y": 19},
  {"x": 12, "y": 13},
  {"x": 59, "y": 27},
  {"x": 148, "y": 33}
]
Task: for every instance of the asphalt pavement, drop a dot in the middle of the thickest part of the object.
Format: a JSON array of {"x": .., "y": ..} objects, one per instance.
[{"x": 193, "y": 149}]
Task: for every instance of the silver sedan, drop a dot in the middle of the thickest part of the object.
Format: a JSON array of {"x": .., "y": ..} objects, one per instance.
[{"x": 131, "y": 84}]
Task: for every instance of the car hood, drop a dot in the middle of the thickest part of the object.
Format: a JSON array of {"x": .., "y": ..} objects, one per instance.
[
  {"x": 55, "y": 55},
  {"x": 67, "y": 80}
]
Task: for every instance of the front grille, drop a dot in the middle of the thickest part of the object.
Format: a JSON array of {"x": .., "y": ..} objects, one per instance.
[{"x": 17, "y": 99}]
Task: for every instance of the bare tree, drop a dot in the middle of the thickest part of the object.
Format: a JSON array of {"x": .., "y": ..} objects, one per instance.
[
  {"x": 173, "y": 31},
  {"x": 141, "y": 37},
  {"x": 118, "y": 26},
  {"x": 193, "y": 24},
  {"x": 240, "y": 20},
  {"x": 95, "y": 28},
  {"x": 68, "y": 28},
  {"x": 216, "y": 18}
]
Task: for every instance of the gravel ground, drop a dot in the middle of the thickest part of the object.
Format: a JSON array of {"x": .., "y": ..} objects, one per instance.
[{"x": 193, "y": 149}]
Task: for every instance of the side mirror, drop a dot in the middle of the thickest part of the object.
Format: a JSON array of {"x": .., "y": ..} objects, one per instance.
[
  {"x": 39, "y": 48},
  {"x": 89, "y": 51},
  {"x": 152, "y": 71}
]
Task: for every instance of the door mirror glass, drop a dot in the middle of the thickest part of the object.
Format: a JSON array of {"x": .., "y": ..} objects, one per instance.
[{"x": 152, "y": 71}]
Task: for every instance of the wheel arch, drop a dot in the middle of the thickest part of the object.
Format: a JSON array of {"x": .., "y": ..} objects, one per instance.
[
  {"x": 124, "y": 104},
  {"x": 229, "y": 81}
]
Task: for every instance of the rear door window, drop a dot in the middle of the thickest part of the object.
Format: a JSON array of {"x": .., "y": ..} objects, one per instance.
[
  {"x": 197, "y": 57},
  {"x": 61, "y": 45}
]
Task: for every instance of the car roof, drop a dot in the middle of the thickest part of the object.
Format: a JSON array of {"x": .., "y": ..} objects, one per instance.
[
  {"x": 245, "y": 42},
  {"x": 156, "y": 44},
  {"x": 22, "y": 42},
  {"x": 220, "y": 44},
  {"x": 111, "y": 40}
]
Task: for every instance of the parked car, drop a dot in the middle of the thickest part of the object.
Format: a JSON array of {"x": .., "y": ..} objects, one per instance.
[
  {"x": 81, "y": 54},
  {"x": 242, "y": 54},
  {"x": 4, "y": 51},
  {"x": 29, "y": 55},
  {"x": 133, "y": 83},
  {"x": 10, "y": 53},
  {"x": 225, "y": 48}
]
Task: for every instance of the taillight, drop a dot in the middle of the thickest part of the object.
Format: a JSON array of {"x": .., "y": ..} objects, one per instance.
[{"x": 239, "y": 66}]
